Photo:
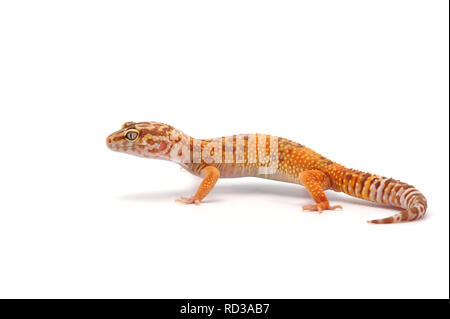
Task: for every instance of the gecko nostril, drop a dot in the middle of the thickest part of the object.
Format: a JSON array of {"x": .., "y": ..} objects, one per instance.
[{"x": 108, "y": 140}]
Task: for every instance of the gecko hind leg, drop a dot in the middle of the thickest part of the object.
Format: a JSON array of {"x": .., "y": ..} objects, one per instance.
[
  {"x": 316, "y": 182},
  {"x": 210, "y": 176}
]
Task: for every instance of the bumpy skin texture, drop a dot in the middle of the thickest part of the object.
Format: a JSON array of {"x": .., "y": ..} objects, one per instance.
[{"x": 268, "y": 157}]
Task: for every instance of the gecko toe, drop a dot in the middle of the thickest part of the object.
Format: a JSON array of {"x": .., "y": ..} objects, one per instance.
[
  {"x": 187, "y": 200},
  {"x": 320, "y": 207}
]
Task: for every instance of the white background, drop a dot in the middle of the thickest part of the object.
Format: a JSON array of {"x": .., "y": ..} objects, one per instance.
[{"x": 363, "y": 82}]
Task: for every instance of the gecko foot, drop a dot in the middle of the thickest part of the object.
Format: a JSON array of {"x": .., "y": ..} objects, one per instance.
[
  {"x": 320, "y": 207},
  {"x": 188, "y": 200}
]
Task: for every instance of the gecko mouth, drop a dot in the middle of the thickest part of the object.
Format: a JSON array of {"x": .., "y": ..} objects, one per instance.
[{"x": 138, "y": 149}]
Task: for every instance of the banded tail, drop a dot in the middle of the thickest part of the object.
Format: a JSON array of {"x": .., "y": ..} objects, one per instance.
[{"x": 386, "y": 191}]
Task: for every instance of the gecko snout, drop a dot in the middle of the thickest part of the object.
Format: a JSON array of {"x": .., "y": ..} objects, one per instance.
[{"x": 109, "y": 141}]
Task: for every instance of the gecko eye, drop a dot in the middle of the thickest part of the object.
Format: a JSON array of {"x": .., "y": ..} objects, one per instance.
[{"x": 131, "y": 135}]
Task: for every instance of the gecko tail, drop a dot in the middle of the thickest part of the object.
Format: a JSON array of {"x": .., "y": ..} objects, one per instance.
[
  {"x": 404, "y": 216},
  {"x": 386, "y": 191}
]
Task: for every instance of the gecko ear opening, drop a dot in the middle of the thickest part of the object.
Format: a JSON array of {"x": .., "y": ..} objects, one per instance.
[{"x": 126, "y": 124}]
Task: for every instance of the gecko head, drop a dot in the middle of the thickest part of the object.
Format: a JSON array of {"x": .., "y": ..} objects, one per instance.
[{"x": 144, "y": 139}]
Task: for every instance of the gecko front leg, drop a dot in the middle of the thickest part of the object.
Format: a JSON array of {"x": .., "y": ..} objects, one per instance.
[
  {"x": 316, "y": 182},
  {"x": 210, "y": 176}
]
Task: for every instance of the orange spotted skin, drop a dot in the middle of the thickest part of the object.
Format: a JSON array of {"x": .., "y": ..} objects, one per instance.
[{"x": 268, "y": 157}]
